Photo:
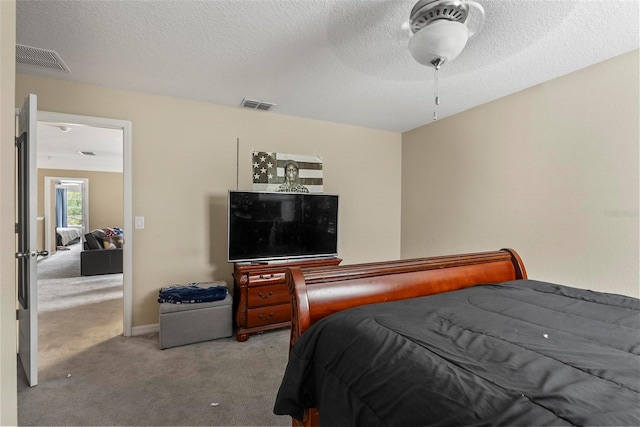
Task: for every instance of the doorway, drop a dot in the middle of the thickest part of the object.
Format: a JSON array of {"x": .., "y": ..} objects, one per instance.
[
  {"x": 75, "y": 205},
  {"x": 64, "y": 121}
]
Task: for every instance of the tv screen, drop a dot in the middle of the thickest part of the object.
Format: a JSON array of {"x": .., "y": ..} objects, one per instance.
[{"x": 274, "y": 226}]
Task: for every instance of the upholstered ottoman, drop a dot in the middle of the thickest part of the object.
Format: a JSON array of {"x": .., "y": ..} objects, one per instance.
[{"x": 182, "y": 324}]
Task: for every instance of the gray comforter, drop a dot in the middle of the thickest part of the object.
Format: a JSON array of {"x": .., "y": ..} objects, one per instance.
[{"x": 516, "y": 353}]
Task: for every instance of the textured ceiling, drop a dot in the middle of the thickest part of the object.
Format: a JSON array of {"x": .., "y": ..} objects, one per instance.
[{"x": 343, "y": 61}]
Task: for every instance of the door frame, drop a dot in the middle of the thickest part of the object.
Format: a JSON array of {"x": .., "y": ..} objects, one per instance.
[
  {"x": 127, "y": 255},
  {"x": 49, "y": 184}
]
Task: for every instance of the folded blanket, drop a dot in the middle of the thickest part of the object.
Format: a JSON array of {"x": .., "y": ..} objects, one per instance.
[{"x": 192, "y": 293}]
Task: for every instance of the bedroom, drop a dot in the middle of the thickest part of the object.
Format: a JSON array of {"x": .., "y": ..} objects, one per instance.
[
  {"x": 104, "y": 201},
  {"x": 469, "y": 161},
  {"x": 162, "y": 168}
]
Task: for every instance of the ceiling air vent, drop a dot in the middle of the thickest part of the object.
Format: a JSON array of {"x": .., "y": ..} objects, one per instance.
[
  {"x": 27, "y": 55},
  {"x": 256, "y": 105}
]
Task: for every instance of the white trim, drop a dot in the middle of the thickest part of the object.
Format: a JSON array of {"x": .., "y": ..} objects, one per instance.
[
  {"x": 125, "y": 125},
  {"x": 128, "y": 230},
  {"x": 145, "y": 329}
]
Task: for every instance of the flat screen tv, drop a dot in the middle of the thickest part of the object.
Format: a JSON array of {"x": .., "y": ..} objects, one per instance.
[{"x": 265, "y": 226}]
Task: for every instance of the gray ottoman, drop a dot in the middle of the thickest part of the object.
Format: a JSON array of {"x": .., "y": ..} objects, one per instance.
[{"x": 182, "y": 324}]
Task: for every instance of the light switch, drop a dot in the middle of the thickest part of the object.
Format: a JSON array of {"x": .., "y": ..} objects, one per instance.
[{"x": 139, "y": 222}]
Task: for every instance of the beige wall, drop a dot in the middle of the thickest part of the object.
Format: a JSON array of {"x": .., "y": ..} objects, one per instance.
[
  {"x": 551, "y": 171},
  {"x": 184, "y": 161},
  {"x": 105, "y": 197},
  {"x": 8, "y": 378}
]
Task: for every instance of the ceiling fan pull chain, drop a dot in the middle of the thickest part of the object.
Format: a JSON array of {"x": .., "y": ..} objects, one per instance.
[{"x": 436, "y": 98}]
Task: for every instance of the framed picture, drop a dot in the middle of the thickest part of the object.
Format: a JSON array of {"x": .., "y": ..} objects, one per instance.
[{"x": 281, "y": 172}]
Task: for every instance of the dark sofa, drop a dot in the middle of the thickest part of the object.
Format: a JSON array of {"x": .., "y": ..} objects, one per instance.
[{"x": 96, "y": 259}]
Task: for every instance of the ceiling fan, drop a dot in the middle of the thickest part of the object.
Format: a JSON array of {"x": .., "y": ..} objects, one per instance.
[
  {"x": 440, "y": 33},
  {"x": 440, "y": 30}
]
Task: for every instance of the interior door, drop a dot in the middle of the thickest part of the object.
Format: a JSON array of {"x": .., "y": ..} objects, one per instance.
[{"x": 27, "y": 254}]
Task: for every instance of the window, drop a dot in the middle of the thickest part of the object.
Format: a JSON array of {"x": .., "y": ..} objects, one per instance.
[{"x": 74, "y": 207}]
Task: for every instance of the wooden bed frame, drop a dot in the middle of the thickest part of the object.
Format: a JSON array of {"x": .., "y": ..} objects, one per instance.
[{"x": 319, "y": 292}]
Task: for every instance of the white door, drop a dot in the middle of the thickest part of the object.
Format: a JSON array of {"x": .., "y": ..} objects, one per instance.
[{"x": 27, "y": 252}]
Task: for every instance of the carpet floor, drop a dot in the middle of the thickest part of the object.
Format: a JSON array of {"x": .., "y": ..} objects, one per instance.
[{"x": 89, "y": 374}]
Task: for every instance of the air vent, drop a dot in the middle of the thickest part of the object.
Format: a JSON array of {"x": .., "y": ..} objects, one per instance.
[
  {"x": 256, "y": 105},
  {"x": 87, "y": 153},
  {"x": 27, "y": 55}
]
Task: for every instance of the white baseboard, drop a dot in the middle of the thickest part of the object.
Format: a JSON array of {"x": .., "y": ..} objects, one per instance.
[{"x": 145, "y": 329}]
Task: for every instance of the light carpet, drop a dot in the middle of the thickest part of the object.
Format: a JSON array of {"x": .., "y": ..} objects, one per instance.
[{"x": 89, "y": 374}]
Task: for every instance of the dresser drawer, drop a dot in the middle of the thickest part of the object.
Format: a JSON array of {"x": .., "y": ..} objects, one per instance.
[
  {"x": 268, "y": 295},
  {"x": 261, "y": 299},
  {"x": 266, "y": 278},
  {"x": 268, "y": 315}
]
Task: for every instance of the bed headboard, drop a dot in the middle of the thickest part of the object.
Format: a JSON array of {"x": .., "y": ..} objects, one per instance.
[
  {"x": 321, "y": 291},
  {"x": 317, "y": 292}
]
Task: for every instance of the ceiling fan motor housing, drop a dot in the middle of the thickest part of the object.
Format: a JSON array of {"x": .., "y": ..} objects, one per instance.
[{"x": 425, "y": 12}]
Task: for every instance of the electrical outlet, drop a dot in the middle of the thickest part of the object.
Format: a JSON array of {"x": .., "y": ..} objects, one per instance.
[{"x": 139, "y": 222}]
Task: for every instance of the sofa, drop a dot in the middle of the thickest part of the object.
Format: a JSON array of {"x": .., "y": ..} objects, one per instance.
[{"x": 102, "y": 253}]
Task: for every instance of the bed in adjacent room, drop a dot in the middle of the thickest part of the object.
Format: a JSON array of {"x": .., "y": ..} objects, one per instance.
[
  {"x": 67, "y": 235},
  {"x": 457, "y": 340}
]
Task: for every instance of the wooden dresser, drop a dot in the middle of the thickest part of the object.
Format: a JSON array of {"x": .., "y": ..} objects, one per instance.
[{"x": 261, "y": 299}]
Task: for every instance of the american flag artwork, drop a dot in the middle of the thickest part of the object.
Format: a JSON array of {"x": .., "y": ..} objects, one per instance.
[{"x": 267, "y": 169}]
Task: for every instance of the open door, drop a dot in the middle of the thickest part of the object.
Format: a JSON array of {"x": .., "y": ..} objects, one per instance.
[{"x": 27, "y": 254}]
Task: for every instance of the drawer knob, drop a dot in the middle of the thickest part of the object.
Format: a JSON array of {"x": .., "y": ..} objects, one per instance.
[
  {"x": 265, "y": 296},
  {"x": 266, "y": 276},
  {"x": 265, "y": 317}
]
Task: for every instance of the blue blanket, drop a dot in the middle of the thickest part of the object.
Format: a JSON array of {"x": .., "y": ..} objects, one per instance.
[{"x": 192, "y": 293}]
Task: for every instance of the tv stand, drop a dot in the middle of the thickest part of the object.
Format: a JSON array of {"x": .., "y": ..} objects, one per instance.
[{"x": 261, "y": 299}]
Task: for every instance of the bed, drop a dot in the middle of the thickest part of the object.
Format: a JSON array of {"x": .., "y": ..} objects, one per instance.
[
  {"x": 416, "y": 342},
  {"x": 67, "y": 235}
]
